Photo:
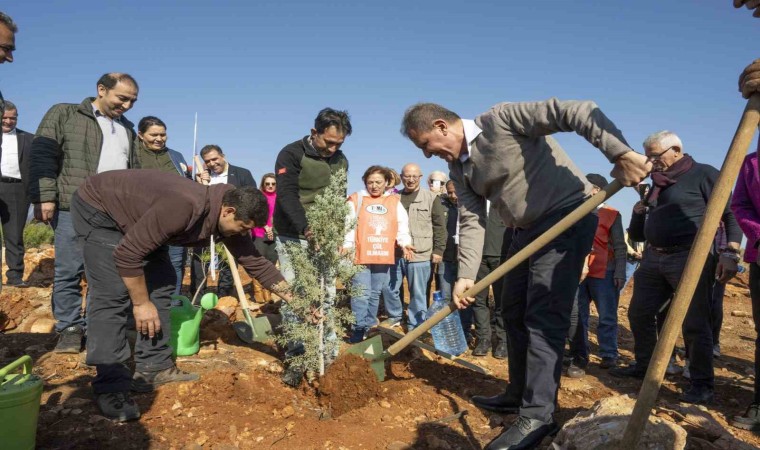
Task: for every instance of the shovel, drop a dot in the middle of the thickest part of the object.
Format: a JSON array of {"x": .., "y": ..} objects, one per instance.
[
  {"x": 371, "y": 349},
  {"x": 250, "y": 330}
]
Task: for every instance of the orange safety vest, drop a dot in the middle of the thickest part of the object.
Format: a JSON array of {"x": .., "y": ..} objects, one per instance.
[
  {"x": 376, "y": 228},
  {"x": 600, "y": 253}
]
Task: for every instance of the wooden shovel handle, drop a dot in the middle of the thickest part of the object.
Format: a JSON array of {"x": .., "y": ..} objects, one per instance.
[
  {"x": 199, "y": 167},
  {"x": 238, "y": 284},
  {"x": 716, "y": 204},
  {"x": 560, "y": 227}
]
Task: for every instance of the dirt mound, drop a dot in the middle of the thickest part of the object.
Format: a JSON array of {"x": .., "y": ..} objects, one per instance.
[
  {"x": 349, "y": 384},
  {"x": 14, "y": 308}
]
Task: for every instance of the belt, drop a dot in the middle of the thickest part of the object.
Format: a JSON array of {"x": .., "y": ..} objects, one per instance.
[
  {"x": 673, "y": 249},
  {"x": 10, "y": 180}
]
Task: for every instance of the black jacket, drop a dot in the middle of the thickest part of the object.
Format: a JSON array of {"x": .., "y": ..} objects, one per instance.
[{"x": 239, "y": 177}]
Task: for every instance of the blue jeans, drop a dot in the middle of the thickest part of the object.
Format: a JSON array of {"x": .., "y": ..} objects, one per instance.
[
  {"x": 178, "y": 256},
  {"x": 602, "y": 291},
  {"x": 372, "y": 280},
  {"x": 69, "y": 269},
  {"x": 286, "y": 268},
  {"x": 417, "y": 275}
]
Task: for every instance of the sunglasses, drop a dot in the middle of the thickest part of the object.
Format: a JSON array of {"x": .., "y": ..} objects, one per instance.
[{"x": 270, "y": 184}]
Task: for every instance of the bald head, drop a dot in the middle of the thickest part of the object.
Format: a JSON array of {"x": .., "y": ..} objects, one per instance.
[{"x": 410, "y": 176}]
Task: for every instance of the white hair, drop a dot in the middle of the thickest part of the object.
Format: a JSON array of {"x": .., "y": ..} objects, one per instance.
[
  {"x": 664, "y": 138},
  {"x": 438, "y": 172}
]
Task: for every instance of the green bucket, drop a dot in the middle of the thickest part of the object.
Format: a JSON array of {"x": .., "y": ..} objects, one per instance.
[
  {"x": 186, "y": 323},
  {"x": 20, "y": 396}
]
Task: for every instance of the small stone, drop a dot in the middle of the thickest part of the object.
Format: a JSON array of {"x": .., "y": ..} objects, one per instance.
[
  {"x": 177, "y": 405},
  {"x": 96, "y": 419},
  {"x": 741, "y": 314},
  {"x": 65, "y": 411},
  {"x": 259, "y": 438},
  {"x": 287, "y": 412},
  {"x": 384, "y": 404},
  {"x": 290, "y": 426},
  {"x": 76, "y": 412},
  {"x": 75, "y": 402},
  {"x": 200, "y": 440},
  {"x": 495, "y": 421},
  {"x": 183, "y": 389},
  {"x": 398, "y": 445}
]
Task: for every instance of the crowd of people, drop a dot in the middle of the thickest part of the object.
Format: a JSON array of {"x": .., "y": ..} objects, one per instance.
[{"x": 125, "y": 209}]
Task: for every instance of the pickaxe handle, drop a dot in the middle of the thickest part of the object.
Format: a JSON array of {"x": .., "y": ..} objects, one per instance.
[{"x": 560, "y": 227}]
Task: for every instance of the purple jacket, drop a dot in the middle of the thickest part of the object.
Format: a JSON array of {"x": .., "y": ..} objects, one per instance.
[{"x": 746, "y": 204}]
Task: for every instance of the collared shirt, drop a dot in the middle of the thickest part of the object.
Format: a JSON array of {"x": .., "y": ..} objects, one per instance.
[
  {"x": 221, "y": 178},
  {"x": 114, "y": 154},
  {"x": 9, "y": 167},
  {"x": 471, "y": 132}
]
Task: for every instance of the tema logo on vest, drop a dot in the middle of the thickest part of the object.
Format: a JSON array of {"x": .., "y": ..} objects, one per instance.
[{"x": 377, "y": 209}]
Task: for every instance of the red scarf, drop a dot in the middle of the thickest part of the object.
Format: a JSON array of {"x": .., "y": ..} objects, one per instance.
[{"x": 662, "y": 180}]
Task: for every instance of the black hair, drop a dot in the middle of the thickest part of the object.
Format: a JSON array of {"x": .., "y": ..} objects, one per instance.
[
  {"x": 249, "y": 203},
  {"x": 149, "y": 121},
  {"x": 211, "y": 148},
  {"x": 109, "y": 80},
  {"x": 329, "y": 117},
  {"x": 420, "y": 117},
  {"x": 6, "y": 20}
]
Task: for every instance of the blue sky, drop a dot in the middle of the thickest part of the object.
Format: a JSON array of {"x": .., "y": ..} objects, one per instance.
[{"x": 258, "y": 72}]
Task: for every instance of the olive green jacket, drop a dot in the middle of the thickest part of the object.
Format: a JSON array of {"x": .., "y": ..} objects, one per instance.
[{"x": 66, "y": 150}]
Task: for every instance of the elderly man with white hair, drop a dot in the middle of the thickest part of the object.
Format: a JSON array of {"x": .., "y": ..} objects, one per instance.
[
  {"x": 437, "y": 182},
  {"x": 668, "y": 219}
]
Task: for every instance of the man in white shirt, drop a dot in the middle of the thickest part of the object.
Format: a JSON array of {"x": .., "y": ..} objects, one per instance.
[{"x": 14, "y": 205}]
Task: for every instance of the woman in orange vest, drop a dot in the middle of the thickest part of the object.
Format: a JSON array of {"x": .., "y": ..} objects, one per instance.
[{"x": 381, "y": 223}]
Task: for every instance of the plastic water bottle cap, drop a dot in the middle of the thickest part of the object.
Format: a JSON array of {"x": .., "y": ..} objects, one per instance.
[{"x": 437, "y": 296}]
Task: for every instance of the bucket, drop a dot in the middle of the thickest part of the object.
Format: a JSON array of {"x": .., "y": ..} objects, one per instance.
[{"x": 20, "y": 395}]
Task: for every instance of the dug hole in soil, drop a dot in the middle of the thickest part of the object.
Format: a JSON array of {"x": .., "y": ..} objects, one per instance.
[{"x": 240, "y": 401}]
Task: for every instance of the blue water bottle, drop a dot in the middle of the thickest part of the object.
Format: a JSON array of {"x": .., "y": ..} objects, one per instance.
[{"x": 448, "y": 335}]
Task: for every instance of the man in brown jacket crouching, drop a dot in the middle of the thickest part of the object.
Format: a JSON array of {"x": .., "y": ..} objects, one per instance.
[{"x": 125, "y": 220}]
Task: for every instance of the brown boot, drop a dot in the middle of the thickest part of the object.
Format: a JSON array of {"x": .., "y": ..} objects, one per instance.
[{"x": 258, "y": 294}]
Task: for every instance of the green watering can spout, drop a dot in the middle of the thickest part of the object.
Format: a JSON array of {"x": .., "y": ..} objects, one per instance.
[{"x": 186, "y": 323}]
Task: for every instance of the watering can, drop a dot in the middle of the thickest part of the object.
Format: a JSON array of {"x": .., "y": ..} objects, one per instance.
[
  {"x": 186, "y": 323},
  {"x": 20, "y": 396}
]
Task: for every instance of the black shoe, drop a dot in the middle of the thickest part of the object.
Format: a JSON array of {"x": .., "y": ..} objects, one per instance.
[
  {"x": 632, "y": 371},
  {"x": 500, "y": 352},
  {"x": 293, "y": 376},
  {"x": 16, "y": 283},
  {"x": 70, "y": 340},
  {"x": 576, "y": 371},
  {"x": 482, "y": 348},
  {"x": 118, "y": 406},
  {"x": 525, "y": 433},
  {"x": 502, "y": 403},
  {"x": 148, "y": 381},
  {"x": 357, "y": 335},
  {"x": 697, "y": 395},
  {"x": 608, "y": 363},
  {"x": 750, "y": 420}
]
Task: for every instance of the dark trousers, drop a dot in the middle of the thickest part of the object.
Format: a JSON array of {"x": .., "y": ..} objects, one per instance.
[
  {"x": 109, "y": 312},
  {"x": 754, "y": 292},
  {"x": 719, "y": 290},
  {"x": 13, "y": 211},
  {"x": 655, "y": 281},
  {"x": 197, "y": 273},
  {"x": 267, "y": 249},
  {"x": 537, "y": 300},
  {"x": 481, "y": 312}
]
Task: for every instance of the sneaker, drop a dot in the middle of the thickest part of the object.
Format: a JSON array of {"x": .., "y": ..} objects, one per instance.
[
  {"x": 686, "y": 374},
  {"x": 293, "y": 376},
  {"x": 608, "y": 362},
  {"x": 70, "y": 340},
  {"x": 673, "y": 368},
  {"x": 17, "y": 283},
  {"x": 391, "y": 322},
  {"x": 148, "y": 381},
  {"x": 750, "y": 420},
  {"x": 118, "y": 406},
  {"x": 716, "y": 351},
  {"x": 697, "y": 395},
  {"x": 357, "y": 335},
  {"x": 575, "y": 371},
  {"x": 482, "y": 348},
  {"x": 632, "y": 371}
]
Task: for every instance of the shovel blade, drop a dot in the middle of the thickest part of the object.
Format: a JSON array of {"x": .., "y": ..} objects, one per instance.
[
  {"x": 258, "y": 330},
  {"x": 372, "y": 350}
]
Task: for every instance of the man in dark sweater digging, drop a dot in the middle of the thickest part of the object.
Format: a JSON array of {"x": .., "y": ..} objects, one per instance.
[{"x": 125, "y": 220}]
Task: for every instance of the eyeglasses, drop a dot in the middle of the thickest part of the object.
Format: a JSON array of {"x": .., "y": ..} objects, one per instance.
[
  {"x": 8, "y": 48},
  {"x": 411, "y": 177},
  {"x": 658, "y": 156},
  {"x": 270, "y": 184}
]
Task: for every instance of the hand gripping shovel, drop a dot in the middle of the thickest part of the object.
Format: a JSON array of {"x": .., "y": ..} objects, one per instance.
[
  {"x": 371, "y": 348},
  {"x": 251, "y": 330}
]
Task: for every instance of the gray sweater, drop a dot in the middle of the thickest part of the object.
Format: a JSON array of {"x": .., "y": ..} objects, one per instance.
[{"x": 521, "y": 170}]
